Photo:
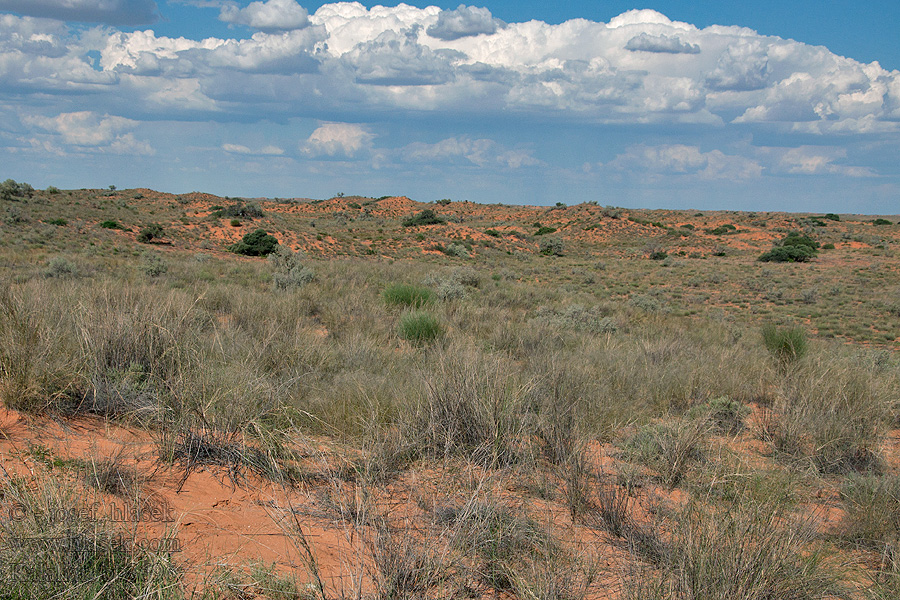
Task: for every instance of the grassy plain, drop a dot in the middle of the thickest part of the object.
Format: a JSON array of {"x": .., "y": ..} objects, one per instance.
[{"x": 627, "y": 405}]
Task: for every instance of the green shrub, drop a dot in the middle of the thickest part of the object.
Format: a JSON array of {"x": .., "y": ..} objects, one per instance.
[
  {"x": 723, "y": 229},
  {"x": 245, "y": 211},
  {"x": 658, "y": 255},
  {"x": 788, "y": 254},
  {"x": 551, "y": 247},
  {"x": 52, "y": 190},
  {"x": 154, "y": 265},
  {"x": 457, "y": 250},
  {"x": 57, "y": 222},
  {"x": 59, "y": 267},
  {"x": 150, "y": 233},
  {"x": 828, "y": 246},
  {"x": 289, "y": 271},
  {"x": 880, "y": 221},
  {"x": 832, "y": 217},
  {"x": 110, "y": 224},
  {"x": 10, "y": 190},
  {"x": 404, "y": 294},
  {"x": 787, "y": 345},
  {"x": 255, "y": 243},
  {"x": 420, "y": 327},
  {"x": 493, "y": 233},
  {"x": 235, "y": 223},
  {"x": 426, "y": 217},
  {"x": 545, "y": 230}
]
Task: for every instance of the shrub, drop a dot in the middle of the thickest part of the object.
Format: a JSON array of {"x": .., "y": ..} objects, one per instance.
[
  {"x": 788, "y": 254},
  {"x": 52, "y": 190},
  {"x": 544, "y": 230},
  {"x": 10, "y": 190},
  {"x": 404, "y": 294},
  {"x": 150, "y": 233},
  {"x": 492, "y": 233},
  {"x": 110, "y": 224},
  {"x": 235, "y": 223},
  {"x": 57, "y": 222},
  {"x": 289, "y": 271},
  {"x": 457, "y": 250},
  {"x": 828, "y": 246},
  {"x": 426, "y": 217},
  {"x": 255, "y": 243},
  {"x": 723, "y": 229},
  {"x": 658, "y": 255},
  {"x": 832, "y": 217},
  {"x": 787, "y": 345},
  {"x": 154, "y": 265},
  {"x": 245, "y": 211},
  {"x": 420, "y": 327},
  {"x": 881, "y": 222},
  {"x": 551, "y": 247},
  {"x": 795, "y": 238},
  {"x": 59, "y": 266}
]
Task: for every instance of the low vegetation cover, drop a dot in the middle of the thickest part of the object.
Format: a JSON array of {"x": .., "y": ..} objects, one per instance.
[{"x": 495, "y": 421}]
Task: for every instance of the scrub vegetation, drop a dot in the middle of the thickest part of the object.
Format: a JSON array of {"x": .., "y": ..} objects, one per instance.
[{"x": 534, "y": 416}]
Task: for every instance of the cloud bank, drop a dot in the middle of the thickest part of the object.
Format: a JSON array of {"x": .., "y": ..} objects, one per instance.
[
  {"x": 346, "y": 71},
  {"x": 111, "y": 12}
]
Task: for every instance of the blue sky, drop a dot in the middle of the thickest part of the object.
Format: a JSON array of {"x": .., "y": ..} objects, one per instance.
[{"x": 754, "y": 106}]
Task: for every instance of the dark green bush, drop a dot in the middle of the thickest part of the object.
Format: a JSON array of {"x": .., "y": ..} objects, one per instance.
[
  {"x": 832, "y": 217},
  {"x": 492, "y": 233},
  {"x": 113, "y": 225},
  {"x": 881, "y": 222},
  {"x": 57, "y": 222},
  {"x": 426, "y": 217},
  {"x": 256, "y": 243},
  {"x": 150, "y": 233},
  {"x": 245, "y": 211},
  {"x": 545, "y": 230},
  {"x": 788, "y": 254}
]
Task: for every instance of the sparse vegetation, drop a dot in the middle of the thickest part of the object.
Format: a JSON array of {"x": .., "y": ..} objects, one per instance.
[{"x": 479, "y": 422}]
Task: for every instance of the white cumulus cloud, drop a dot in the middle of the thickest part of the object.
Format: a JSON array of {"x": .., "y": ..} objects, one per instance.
[
  {"x": 338, "y": 139},
  {"x": 241, "y": 149},
  {"x": 463, "y": 22},
  {"x": 680, "y": 159},
  {"x": 89, "y": 130},
  {"x": 480, "y": 152},
  {"x": 271, "y": 15}
]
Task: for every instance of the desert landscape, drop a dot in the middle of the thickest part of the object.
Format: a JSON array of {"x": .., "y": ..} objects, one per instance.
[{"x": 354, "y": 397}]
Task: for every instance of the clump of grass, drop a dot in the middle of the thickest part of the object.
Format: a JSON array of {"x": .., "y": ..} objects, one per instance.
[
  {"x": 405, "y": 294},
  {"x": 502, "y": 539},
  {"x": 110, "y": 475},
  {"x": 724, "y": 414},
  {"x": 787, "y": 345},
  {"x": 873, "y": 520},
  {"x": 57, "y": 550},
  {"x": 669, "y": 448},
  {"x": 739, "y": 552},
  {"x": 420, "y": 327}
]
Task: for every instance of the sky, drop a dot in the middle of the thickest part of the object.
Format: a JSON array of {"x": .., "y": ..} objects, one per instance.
[{"x": 759, "y": 105}]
